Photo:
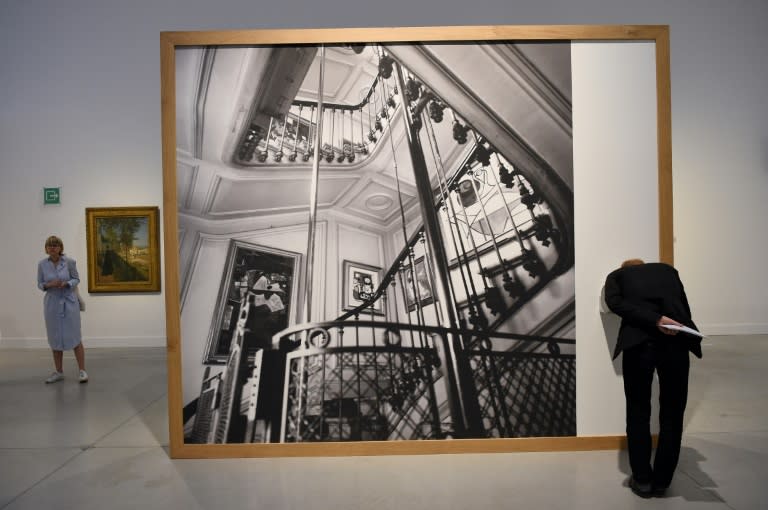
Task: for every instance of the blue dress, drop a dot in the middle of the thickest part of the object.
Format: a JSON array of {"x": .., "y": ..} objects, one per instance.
[{"x": 60, "y": 306}]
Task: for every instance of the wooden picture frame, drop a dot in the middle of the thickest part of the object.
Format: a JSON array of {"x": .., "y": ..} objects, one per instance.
[
  {"x": 359, "y": 282},
  {"x": 123, "y": 249},
  {"x": 170, "y": 41}
]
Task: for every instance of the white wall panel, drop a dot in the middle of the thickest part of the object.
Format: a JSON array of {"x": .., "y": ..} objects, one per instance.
[{"x": 615, "y": 206}]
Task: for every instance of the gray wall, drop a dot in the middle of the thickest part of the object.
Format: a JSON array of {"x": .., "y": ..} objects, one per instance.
[{"x": 80, "y": 87}]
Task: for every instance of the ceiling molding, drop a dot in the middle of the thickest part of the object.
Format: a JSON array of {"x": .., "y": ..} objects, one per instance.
[
  {"x": 186, "y": 179},
  {"x": 378, "y": 202},
  {"x": 217, "y": 190},
  {"x": 529, "y": 77},
  {"x": 228, "y": 193},
  {"x": 201, "y": 97}
]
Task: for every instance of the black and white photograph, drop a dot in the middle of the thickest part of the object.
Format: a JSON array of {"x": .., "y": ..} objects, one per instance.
[{"x": 376, "y": 241}]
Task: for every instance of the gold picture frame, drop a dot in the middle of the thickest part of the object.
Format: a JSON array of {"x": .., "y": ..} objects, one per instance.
[
  {"x": 123, "y": 249},
  {"x": 170, "y": 41}
]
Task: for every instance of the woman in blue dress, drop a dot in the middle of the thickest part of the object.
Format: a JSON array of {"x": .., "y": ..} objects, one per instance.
[{"x": 57, "y": 276}]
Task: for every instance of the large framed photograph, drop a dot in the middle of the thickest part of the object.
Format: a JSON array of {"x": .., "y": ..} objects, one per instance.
[
  {"x": 263, "y": 279},
  {"x": 360, "y": 282},
  {"x": 449, "y": 157},
  {"x": 123, "y": 248}
]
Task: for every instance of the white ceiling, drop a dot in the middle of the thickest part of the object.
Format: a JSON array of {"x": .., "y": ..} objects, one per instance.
[{"x": 214, "y": 92}]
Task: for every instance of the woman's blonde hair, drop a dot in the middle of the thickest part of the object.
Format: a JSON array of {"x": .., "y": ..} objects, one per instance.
[
  {"x": 54, "y": 241},
  {"x": 629, "y": 262}
]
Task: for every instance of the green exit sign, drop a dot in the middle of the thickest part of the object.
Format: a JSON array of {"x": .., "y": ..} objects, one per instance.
[{"x": 51, "y": 196}]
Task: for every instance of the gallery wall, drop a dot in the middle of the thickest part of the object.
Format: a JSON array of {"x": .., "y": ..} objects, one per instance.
[
  {"x": 81, "y": 109},
  {"x": 80, "y": 91}
]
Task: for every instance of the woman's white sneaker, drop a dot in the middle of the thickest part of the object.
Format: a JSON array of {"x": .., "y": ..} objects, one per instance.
[
  {"x": 82, "y": 376},
  {"x": 54, "y": 377}
]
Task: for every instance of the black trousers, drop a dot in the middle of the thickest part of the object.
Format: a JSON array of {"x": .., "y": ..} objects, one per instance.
[{"x": 668, "y": 357}]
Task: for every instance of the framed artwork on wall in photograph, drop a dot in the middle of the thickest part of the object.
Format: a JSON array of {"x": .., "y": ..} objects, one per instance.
[
  {"x": 263, "y": 278},
  {"x": 123, "y": 249},
  {"x": 360, "y": 282},
  {"x": 422, "y": 285}
]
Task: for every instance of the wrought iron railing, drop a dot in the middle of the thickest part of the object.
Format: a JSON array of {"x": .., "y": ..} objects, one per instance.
[
  {"x": 505, "y": 240},
  {"x": 525, "y": 394},
  {"x": 350, "y": 132},
  {"x": 505, "y": 245},
  {"x": 368, "y": 380}
]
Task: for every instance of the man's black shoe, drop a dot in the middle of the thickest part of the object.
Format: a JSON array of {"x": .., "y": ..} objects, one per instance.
[
  {"x": 644, "y": 490},
  {"x": 659, "y": 492}
]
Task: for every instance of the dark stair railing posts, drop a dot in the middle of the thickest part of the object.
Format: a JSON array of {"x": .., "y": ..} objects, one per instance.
[
  {"x": 295, "y": 130},
  {"x": 358, "y": 381},
  {"x": 476, "y": 317},
  {"x": 460, "y": 394}
]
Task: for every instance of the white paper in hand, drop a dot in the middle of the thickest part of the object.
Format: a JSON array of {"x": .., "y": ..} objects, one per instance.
[{"x": 684, "y": 329}]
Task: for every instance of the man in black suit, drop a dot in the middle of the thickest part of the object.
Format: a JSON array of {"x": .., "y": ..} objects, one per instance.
[{"x": 647, "y": 297}]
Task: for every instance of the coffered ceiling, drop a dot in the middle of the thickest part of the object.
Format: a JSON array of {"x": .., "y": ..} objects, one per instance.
[{"x": 216, "y": 89}]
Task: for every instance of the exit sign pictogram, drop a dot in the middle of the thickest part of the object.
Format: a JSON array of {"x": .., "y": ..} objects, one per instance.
[{"x": 51, "y": 196}]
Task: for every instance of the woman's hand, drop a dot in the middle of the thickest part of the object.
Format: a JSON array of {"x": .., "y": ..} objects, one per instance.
[
  {"x": 666, "y": 320},
  {"x": 56, "y": 284}
]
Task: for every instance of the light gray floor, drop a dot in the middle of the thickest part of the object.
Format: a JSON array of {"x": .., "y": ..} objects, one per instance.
[{"x": 103, "y": 446}]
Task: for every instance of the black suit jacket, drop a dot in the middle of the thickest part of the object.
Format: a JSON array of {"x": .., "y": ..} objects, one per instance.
[{"x": 640, "y": 295}]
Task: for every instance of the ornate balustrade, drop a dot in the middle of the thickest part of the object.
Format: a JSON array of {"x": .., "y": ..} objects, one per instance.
[
  {"x": 368, "y": 380},
  {"x": 504, "y": 243},
  {"x": 350, "y": 132}
]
